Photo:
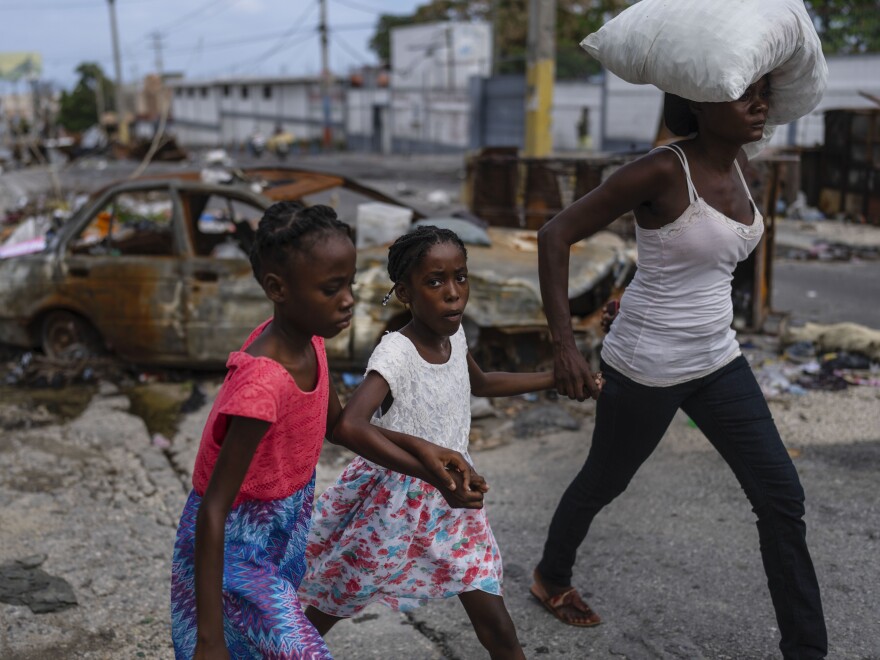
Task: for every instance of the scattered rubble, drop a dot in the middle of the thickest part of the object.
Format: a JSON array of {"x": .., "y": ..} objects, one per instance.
[
  {"x": 542, "y": 419},
  {"x": 23, "y": 583},
  {"x": 815, "y": 357}
]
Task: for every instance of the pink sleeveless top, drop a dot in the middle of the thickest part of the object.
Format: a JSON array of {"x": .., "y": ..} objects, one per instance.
[{"x": 260, "y": 388}]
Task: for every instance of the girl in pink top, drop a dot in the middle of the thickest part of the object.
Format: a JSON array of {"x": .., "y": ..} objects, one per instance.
[{"x": 239, "y": 552}]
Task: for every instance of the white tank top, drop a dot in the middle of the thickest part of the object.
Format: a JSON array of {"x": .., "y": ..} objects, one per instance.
[{"x": 675, "y": 317}]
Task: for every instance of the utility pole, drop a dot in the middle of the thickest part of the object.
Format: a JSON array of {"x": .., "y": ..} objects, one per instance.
[
  {"x": 157, "y": 46},
  {"x": 450, "y": 57},
  {"x": 100, "y": 103},
  {"x": 117, "y": 65},
  {"x": 496, "y": 24},
  {"x": 540, "y": 74},
  {"x": 325, "y": 77}
]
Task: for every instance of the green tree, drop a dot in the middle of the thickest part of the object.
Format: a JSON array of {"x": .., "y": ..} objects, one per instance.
[
  {"x": 78, "y": 109},
  {"x": 846, "y": 26}
]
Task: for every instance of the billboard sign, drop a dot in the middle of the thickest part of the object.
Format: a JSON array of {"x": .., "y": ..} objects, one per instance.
[{"x": 15, "y": 66}]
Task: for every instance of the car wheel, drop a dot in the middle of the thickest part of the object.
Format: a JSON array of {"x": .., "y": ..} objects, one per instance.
[{"x": 64, "y": 334}]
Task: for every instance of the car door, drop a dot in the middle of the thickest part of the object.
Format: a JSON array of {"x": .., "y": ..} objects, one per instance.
[
  {"x": 121, "y": 270},
  {"x": 223, "y": 302}
]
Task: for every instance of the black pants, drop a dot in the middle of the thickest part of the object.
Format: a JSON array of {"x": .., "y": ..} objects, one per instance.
[{"x": 729, "y": 408}]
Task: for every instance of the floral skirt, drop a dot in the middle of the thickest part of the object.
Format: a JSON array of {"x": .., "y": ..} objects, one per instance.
[
  {"x": 263, "y": 565},
  {"x": 380, "y": 536}
]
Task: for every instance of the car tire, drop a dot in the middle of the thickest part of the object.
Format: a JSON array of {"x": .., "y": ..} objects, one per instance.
[{"x": 67, "y": 335}]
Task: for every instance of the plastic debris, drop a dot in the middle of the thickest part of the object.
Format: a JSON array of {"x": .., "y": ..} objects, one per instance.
[
  {"x": 350, "y": 379},
  {"x": 160, "y": 441}
]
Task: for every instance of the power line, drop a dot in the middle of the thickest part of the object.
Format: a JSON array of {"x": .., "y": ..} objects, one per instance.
[
  {"x": 182, "y": 20},
  {"x": 253, "y": 64},
  {"x": 360, "y": 7},
  {"x": 297, "y": 27},
  {"x": 237, "y": 42},
  {"x": 30, "y": 6},
  {"x": 347, "y": 48},
  {"x": 186, "y": 20}
]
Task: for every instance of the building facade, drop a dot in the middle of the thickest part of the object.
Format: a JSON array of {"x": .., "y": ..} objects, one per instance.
[{"x": 227, "y": 112}]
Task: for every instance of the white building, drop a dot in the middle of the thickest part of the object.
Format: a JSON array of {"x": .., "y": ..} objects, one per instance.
[
  {"x": 428, "y": 104},
  {"x": 226, "y": 112}
]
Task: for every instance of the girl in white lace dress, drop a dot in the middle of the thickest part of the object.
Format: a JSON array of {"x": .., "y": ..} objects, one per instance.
[{"x": 380, "y": 536}]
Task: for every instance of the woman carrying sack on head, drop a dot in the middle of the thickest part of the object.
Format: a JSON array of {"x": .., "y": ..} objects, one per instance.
[{"x": 671, "y": 345}]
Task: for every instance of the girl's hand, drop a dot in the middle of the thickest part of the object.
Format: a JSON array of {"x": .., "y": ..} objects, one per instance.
[
  {"x": 460, "y": 498},
  {"x": 442, "y": 463},
  {"x": 478, "y": 483},
  {"x": 599, "y": 379},
  {"x": 609, "y": 313}
]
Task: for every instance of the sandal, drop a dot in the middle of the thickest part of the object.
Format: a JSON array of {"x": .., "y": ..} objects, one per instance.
[{"x": 568, "y": 598}]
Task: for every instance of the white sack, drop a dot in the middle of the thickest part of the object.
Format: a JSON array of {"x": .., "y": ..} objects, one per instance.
[{"x": 712, "y": 50}]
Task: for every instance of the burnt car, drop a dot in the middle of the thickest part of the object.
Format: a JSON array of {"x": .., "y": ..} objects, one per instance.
[{"x": 156, "y": 271}]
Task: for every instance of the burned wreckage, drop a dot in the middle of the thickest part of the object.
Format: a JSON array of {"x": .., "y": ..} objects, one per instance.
[{"x": 156, "y": 272}]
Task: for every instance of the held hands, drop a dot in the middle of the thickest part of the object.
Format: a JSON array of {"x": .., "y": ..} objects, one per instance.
[
  {"x": 453, "y": 476},
  {"x": 573, "y": 376},
  {"x": 461, "y": 498}
]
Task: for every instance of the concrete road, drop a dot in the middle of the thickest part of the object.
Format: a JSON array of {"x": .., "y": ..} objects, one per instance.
[{"x": 828, "y": 292}]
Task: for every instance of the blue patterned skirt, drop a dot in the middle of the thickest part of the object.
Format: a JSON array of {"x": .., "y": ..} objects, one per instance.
[{"x": 263, "y": 565}]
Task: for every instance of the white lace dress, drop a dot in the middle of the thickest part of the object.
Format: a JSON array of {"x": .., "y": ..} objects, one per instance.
[{"x": 380, "y": 536}]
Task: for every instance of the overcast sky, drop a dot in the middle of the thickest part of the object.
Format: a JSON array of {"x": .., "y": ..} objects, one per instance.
[{"x": 201, "y": 38}]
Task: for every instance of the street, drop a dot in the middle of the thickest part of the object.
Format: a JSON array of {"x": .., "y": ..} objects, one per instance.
[{"x": 90, "y": 494}]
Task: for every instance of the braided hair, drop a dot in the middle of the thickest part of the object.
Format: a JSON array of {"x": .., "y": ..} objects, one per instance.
[
  {"x": 288, "y": 226},
  {"x": 408, "y": 250}
]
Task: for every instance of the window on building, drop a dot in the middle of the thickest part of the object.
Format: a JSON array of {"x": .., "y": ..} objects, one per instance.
[
  {"x": 204, "y": 92},
  {"x": 267, "y": 91},
  {"x": 244, "y": 91},
  {"x": 192, "y": 92},
  {"x": 226, "y": 90}
]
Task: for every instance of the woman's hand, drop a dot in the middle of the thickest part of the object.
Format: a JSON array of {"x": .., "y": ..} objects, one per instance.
[{"x": 573, "y": 376}]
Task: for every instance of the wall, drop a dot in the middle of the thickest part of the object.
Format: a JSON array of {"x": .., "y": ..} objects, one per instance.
[
  {"x": 440, "y": 55},
  {"x": 228, "y": 112}
]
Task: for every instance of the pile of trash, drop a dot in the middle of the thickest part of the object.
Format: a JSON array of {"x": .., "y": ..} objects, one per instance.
[
  {"x": 818, "y": 357},
  {"x": 31, "y": 369}
]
